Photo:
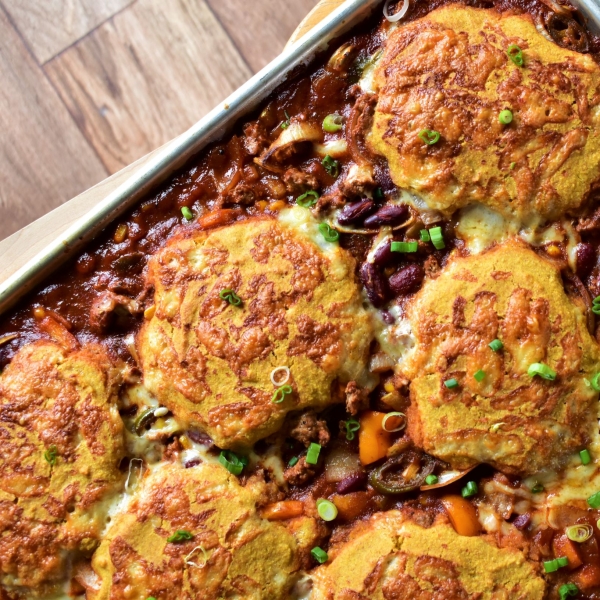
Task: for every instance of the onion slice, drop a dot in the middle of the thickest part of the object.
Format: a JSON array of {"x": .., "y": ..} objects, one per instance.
[
  {"x": 393, "y": 415},
  {"x": 187, "y": 560},
  {"x": 8, "y": 337},
  {"x": 131, "y": 463},
  {"x": 446, "y": 478},
  {"x": 297, "y": 132},
  {"x": 279, "y": 382},
  {"x": 396, "y": 16}
]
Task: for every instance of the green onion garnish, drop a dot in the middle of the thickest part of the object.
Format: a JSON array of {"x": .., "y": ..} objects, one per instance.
[
  {"x": 330, "y": 234},
  {"x": 327, "y": 510},
  {"x": 515, "y": 54},
  {"x": 505, "y": 117},
  {"x": 312, "y": 454},
  {"x": 567, "y": 590},
  {"x": 586, "y": 459},
  {"x": 181, "y": 535},
  {"x": 469, "y": 490},
  {"x": 307, "y": 199},
  {"x": 551, "y": 566},
  {"x": 496, "y": 345},
  {"x": 150, "y": 598},
  {"x": 451, "y": 383},
  {"x": 537, "y": 488},
  {"x": 596, "y": 300},
  {"x": 351, "y": 426},
  {"x": 287, "y": 122},
  {"x": 293, "y": 461},
  {"x": 425, "y": 237},
  {"x": 429, "y": 136},
  {"x": 480, "y": 375},
  {"x": 437, "y": 238},
  {"x": 319, "y": 555},
  {"x": 596, "y": 382},
  {"x": 542, "y": 370},
  {"x": 596, "y": 309},
  {"x": 333, "y": 123},
  {"x": 562, "y": 561},
  {"x": 188, "y": 215},
  {"x": 579, "y": 533},
  {"x": 378, "y": 195},
  {"x": 280, "y": 393},
  {"x": 331, "y": 166},
  {"x": 431, "y": 479},
  {"x": 51, "y": 455},
  {"x": 404, "y": 246},
  {"x": 232, "y": 462},
  {"x": 594, "y": 500},
  {"x": 230, "y": 296}
]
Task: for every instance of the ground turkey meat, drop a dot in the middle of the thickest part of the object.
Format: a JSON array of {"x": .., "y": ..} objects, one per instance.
[
  {"x": 256, "y": 139},
  {"x": 297, "y": 181},
  {"x": 307, "y": 429},
  {"x": 300, "y": 473},
  {"x": 357, "y": 399},
  {"x": 241, "y": 194}
]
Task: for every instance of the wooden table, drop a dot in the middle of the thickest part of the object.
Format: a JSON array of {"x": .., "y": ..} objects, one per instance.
[{"x": 23, "y": 245}]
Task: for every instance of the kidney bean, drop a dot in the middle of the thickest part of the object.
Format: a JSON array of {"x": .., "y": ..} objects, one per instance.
[
  {"x": 356, "y": 212},
  {"x": 407, "y": 279},
  {"x": 522, "y": 521},
  {"x": 388, "y": 317},
  {"x": 383, "y": 255},
  {"x": 199, "y": 437},
  {"x": 586, "y": 259},
  {"x": 352, "y": 483},
  {"x": 375, "y": 284},
  {"x": 392, "y": 214}
]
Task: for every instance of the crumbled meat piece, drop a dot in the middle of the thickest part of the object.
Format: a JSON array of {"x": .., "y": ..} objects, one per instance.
[
  {"x": 358, "y": 181},
  {"x": 308, "y": 428},
  {"x": 591, "y": 223},
  {"x": 300, "y": 473},
  {"x": 297, "y": 181},
  {"x": 172, "y": 450},
  {"x": 107, "y": 305},
  {"x": 335, "y": 200},
  {"x": 242, "y": 193},
  {"x": 356, "y": 398},
  {"x": 256, "y": 139},
  {"x": 431, "y": 267}
]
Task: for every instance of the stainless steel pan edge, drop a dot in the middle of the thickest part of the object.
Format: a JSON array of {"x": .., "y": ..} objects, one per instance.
[
  {"x": 212, "y": 127},
  {"x": 590, "y": 10}
]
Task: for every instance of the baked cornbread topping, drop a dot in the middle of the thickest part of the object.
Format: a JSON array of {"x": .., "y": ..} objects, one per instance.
[{"x": 350, "y": 351}]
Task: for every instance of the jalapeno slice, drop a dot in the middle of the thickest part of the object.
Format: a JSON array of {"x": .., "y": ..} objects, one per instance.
[
  {"x": 403, "y": 473},
  {"x": 143, "y": 420}
]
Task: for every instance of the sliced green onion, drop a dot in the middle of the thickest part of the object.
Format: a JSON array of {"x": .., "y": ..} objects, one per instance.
[
  {"x": 307, "y": 199},
  {"x": 425, "y": 237},
  {"x": 429, "y": 136},
  {"x": 312, "y": 454},
  {"x": 378, "y": 195},
  {"x": 431, "y": 479},
  {"x": 551, "y": 566},
  {"x": 331, "y": 166},
  {"x": 437, "y": 238},
  {"x": 230, "y": 296},
  {"x": 586, "y": 459},
  {"x": 469, "y": 490},
  {"x": 319, "y": 555},
  {"x": 287, "y": 122},
  {"x": 181, "y": 535},
  {"x": 351, "y": 426},
  {"x": 580, "y": 533},
  {"x": 505, "y": 117},
  {"x": 333, "y": 123},
  {"x": 394, "y": 415},
  {"x": 537, "y": 488},
  {"x": 594, "y": 500},
  {"x": 542, "y": 370},
  {"x": 596, "y": 300},
  {"x": 480, "y": 375},
  {"x": 330, "y": 234},
  {"x": 567, "y": 590},
  {"x": 232, "y": 462},
  {"x": 404, "y": 246},
  {"x": 451, "y": 383},
  {"x": 596, "y": 382},
  {"x": 327, "y": 510},
  {"x": 496, "y": 345},
  {"x": 596, "y": 309},
  {"x": 150, "y": 598},
  {"x": 280, "y": 393},
  {"x": 51, "y": 455},
  {"x": 293, "y": 461},
  {"x": 515, "y": 54},
  {"x": 188, "y": 215},
  {"x": 562, "y": 561}
]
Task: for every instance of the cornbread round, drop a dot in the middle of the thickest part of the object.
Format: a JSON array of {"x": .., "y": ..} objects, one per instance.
[
  {"x": 233, "y": 553},
  {"x": 449, "y": 72},
  {"x": 390, "y": 557},
  {"x": 61, "y": 442},
  {"x": 210, "y": 362},
  {"x": 509, "y": 419}
]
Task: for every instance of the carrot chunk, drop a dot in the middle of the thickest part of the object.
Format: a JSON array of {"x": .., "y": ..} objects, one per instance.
[
  {"x": 462, "y": 515},
  {"x": 373, "y": 440}
]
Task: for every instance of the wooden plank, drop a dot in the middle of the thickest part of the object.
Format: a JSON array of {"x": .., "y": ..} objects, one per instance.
[
  {"x": 260, "y": 29},
  {"x": 146, "y": 76},
  {"x": 317, "y": 14},
  {"x": 44, "y": 158},
  {"x": 50, "y": 26}
]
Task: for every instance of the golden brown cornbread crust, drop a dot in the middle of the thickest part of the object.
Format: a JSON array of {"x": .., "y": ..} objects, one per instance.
[
  {"x": 244, "y": 555},
  {"x": 210, "y": 362},
  {"x": 509, "y": 420},
  {"x": 52, "y": 398},
  {"x": 449, "y": 72},
  {"x": 391, "y": 557}
]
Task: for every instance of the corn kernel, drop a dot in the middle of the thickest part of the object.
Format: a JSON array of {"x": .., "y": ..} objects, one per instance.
[
  {"x": 150, "y": 312},
  {"x": 388, "y": 386},
  {"x": 121, "y": 233},
  {"x": 553, "y": 251},
  {"x": 39, "y": 313},
  {"x": 277, "y": 205},
  {"x": 185, "y": 442},
  {"x": 159, "y": 423},
  {"x": 262, "y": 204}
]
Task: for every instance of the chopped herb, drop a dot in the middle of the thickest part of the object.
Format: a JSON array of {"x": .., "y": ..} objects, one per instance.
[
  {"x": 293, "y": 461},
  {"x": 596, "y": 309},
  {"x": 378, "y": 195},
  {"x": 586, "y": 459},
  {"x": 431, "y": 479},
  {"x": 563, "y": 561},
  {"x": 515, "y": 54},
  {"x": 51, "y": 455},
  {"x": 188, "y": 215},
  {"x": 280, "y": 393},
  {"x": 327, "y": 510},
  {"x": 312, "y": 455},
  {"x": 579, "y": 533},
  {"x": 425, "y": 237},
  {"x": 429, "y": 136},
  {"x": 480, "y": 375},
  {"x": 469, "y": 490},
  {"x": 437, "y": 238},
  {"x": 596, "y": 300},
  {"x": 287, "y": 122},
  {"x": 567, "y": 590},
  {"x": 594, "y": 500},
  {"x": 537, "y": 488},
  {"x": 404, "y": 246},
  {"x": 551, "y": 566},
  {"x": 319, "y": 555},
  {"x": 230, "y": 296},
  {"x": 451, "y": 383},
  {"x": 307, "y": 199},
  {"x": 181, "y": 535},
  {"x": 331, "y": 166},
  {"x": 512, "y": 165},
  {"x": 496, "y": 345},
  {"x": 333, "y": 123},
  {"x": 505, "y": 117},
  {"x": 351, "y": 426},
  {"x": 330, "y": 234},
  {"x": 232, "y": 462},
  {"x": 596, "y": 382},
  {"x": 542, "y": 370}
]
